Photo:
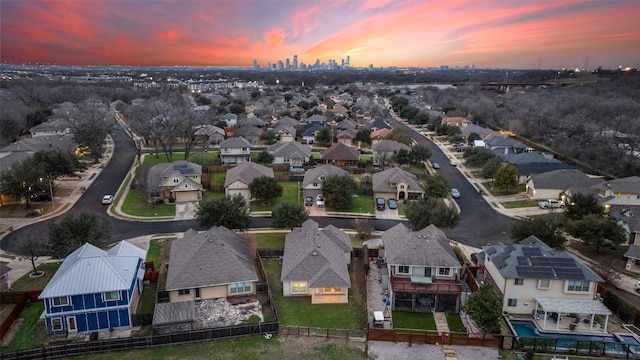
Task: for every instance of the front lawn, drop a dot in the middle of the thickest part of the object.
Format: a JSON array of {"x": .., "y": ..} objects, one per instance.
[
  {"x": 520, "y": 204},
  {"x": 290, "y": 193},
  {"x": 361, "y": 204},
  {"x": 298, "y": 311},
  {"x": 27, "y": 283},
  {"x": 414, "y": 320},
  {"x": 136, "y": 204},
  {"x": 455, "y": 323}
]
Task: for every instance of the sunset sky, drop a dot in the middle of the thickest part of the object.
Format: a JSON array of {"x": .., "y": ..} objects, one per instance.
[{"x": 484, "y": 33}]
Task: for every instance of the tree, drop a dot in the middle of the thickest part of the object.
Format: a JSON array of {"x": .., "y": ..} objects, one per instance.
[
  {"x": 90, "y": 127},
  {"x": 490, "y": 167},
  {"x": 31, "y": 248},
  {"x": 582, "y": 205},
  {"x": 363, "y": 135},
  {"x": 506, "y": 178},
  {"x": 265, "y": 189},
  {"x": 57, "y": 163},
  {"x": 364, "y": 228},
  {"x": 419, "y": 153},
  {"x": 338, "y": 191},
  {"x": 23, "y": 180},
  {"x": 398, "y": 134},
  {"x": 597, "y": 231},
  {"x": 427, "y": 211},
  {"x": 485, "y": 308},
  {"x": 264, "y": 157},
  {"x": 436, "y": 186},
  {"x": 231, "y": 212},
  {"x": 473, "y": 137},
  {"x": 323, "y": 137},
  {"x": 542, "y": 228},
  {"x": 75, "y": 229},
  {"x": 288, "y": 215},
  {"x": 477, "y": 156},
  {"x": 268, "y": 136},
  {"x": 402, "y": 157}
]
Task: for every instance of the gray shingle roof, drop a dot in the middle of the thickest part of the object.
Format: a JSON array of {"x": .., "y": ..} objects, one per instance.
[
  {"x": 389, "y": 145},
  {"x": 290, "y": 149},
  {"x": 314, "y": 175},
  {"x": 46, "y": 143},
  {"x": 340, "y": 151},
  {"x": 532, "y": 258},
  {"x": 246, "y": 172},
  {"x": 158, "y": 173},
  {"x": 90, "y": 270},
  {"x": 382, "y": 180},
  {"x": 625, "y": 185},
  {"x": 633, "y": 252},
  {"x": 427, "y": 247},
  {"x": 316, "y": 256},
  {"x": 562, "y": 179},
  {"x": 214, "y": 257},
  {"x": 235, "y": 142}
]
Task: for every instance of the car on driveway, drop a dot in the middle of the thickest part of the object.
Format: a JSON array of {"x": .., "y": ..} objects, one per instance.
[
  {"x": 319, "y": 200},
  {"x": 453, "y": 163},
  {"x": 380, "y": 204},
  {"x": 392, "y": 204},
  {"x": 455, "y": 193},
  {"x": 107, "y": 199},
  {"x": 41, "y": 196},
  {"x": 436, "y": 166},
  {"x": 308, "y": 201},
  {"x": 551, "y": 204}
]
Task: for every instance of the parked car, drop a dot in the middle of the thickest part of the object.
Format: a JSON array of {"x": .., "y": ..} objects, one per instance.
[
  {"x": 453, "y": 163},
  {"x": 308, "y": 201},
  {"x": 455, "y": 193},
  {"x": 392, "y": 204},
  {"x": 320, "y": 200},
  {"x": 380, "y": 204},
  {"x": 41, "y": 196},
  {"x": 436, "y": 166},
  {"x": 551, "y": 204},
  {"x": 107, "y": 199},
  {"x": 638, "y": 286}
]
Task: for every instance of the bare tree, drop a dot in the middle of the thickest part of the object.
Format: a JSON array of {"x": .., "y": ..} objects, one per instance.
[
  {"x": 31, "y": 248},
  {"x": 364, "y": 228},
  {"x": 91, "y": 125}
]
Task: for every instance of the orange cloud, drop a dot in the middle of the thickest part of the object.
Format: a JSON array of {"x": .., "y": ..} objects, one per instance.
[{"x": 167, "y": 35}]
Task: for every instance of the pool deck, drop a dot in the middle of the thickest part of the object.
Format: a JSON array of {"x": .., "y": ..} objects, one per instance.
[{"x": 565, "y": 325}]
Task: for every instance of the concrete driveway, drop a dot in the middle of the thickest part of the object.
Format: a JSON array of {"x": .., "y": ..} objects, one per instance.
[{"x": 186, "y": 210}]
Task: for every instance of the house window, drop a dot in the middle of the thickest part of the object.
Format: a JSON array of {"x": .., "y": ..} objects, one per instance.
[
  {"x": 240, "y": 287},
  {"x": 403, "y": 269},
  {"x": 184, "y": 292},
  {"x": 518, "y": 282},
  {"x": 225, "y": 150},
  {"x": 56, "y": 324},
  {"x": 60, "y": 301},
  {"x": 576, "y": 285},
  {"x": 444, "y": 271},
  {"x": 112, "y": 296},
  {"x": 331, "y": 290},
  {"x": 175, "y": 180},
  {"x": 286, "y": 159},
  {"x": 402, "y": 187},
  {"x": 544, "y": 283},
  {"x": 244, "y": 149},
  {"x": 299, "y": 287},
  {"x": 512, "y": 302}
]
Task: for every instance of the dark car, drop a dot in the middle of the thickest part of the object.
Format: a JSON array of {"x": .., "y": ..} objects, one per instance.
[
  {"x": 392, "y": 204},
  {"x": 308, "y": 201},
  {"x": 41, "y": 196},
  {"x": 380, "y": 206}
]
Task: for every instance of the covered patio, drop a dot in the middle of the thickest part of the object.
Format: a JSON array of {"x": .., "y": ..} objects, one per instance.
[{"x": 552, "y": 314}]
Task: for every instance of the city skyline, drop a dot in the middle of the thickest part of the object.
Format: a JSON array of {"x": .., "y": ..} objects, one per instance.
[{"x": 382, "y": 33}]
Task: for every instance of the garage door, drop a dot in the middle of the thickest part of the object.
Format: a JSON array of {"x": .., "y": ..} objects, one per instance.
[{"x": 184, "y": 196}]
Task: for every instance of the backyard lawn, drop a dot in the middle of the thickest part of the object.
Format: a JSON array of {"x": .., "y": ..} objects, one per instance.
[
  {"x": 455, "y": 323},
  {"x": 27, "y": 283},
  {"x": 298, "y": 311},
  {"x": 413, "y": 320},
  {"x": 271, "y": 240}
]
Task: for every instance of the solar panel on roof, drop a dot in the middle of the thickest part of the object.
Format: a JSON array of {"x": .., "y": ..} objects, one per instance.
[
  {"x": 569, "y": 273},
  {"x": 186, "y": 171},
  {"x": 535, "y": 272},
  {"x": 509, "y": 248},
  {"x": 491, "y": 250},
  {"x": 553, "y": 261},
  {"x": 531, "y": 251},
  {"x": 523, "y": 260}
]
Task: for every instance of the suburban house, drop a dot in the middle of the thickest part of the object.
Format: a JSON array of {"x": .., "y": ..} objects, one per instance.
[
  {"x": 248, "y": 132},
  {"x": 313, "y": 178},
  {"x": 235, "y": 150},
  {"x": 284, "y": 132},
  {"x": 180, "y": 181},
  {"x": 239, "y": 177},
  {"x": 397, "y": 184},
  {"x": 379, "y": 135},
  {"x": 293, "y": 153},
  {"x": 208, "y": 265},
  {"x": 230, "y": 118},
  {"x": 424, "y": 272},
  {"x": 633, "y": 253},
  {"x": 346, "y": 124},
  {"x": 309, "y": 135},
  {"x": 377, "y": 124},
  {"x": 498, "y": 143},
  {"x": 94, "y": 289},
  {"x": 384, "y": 150},
  {"x": 316, "y": 263},
  {"x": 32, "y": 145},
  {"x": 316, "y": 120},
  {"x": 289, "y": 121},
  {"x": 51, "y": 127},
  {"x": 4, "y": 276},
  {"x": 340, "y": 155},
  {"x": 456, "y": 121},
  {"x": 528, "y": 163},
  {"x": 472, "y": 128},
  {"x": 619, "y": 193},
  {"x": 552, "y": 184},
  {"x": 534, "y": 278},
  {"x": 209, "y": 135},
  {"x": 346, "y": 136}
]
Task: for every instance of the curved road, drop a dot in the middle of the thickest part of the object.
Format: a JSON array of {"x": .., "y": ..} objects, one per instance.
[{"x": 479, "y": 223}]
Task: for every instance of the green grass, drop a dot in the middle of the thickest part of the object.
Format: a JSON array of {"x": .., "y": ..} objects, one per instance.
[
  {"x": 289, "y": 194},
  {"x": 455, "y": 323},
  {"x": 519, "y": 204},
  {"x": 148, "y": 299},
  {"x": 239, "y": 349},
  {"x": 298, "y": 311},
  {"x": 413, "y": 320},
  {"x": 27, "y": 283},
  {"x": 271, "y": 240},
  {"x": 361, "y": 204},
  {"x": 136, "y": 204},
  {"x": 154, "y": 253},
  {"x": 152, "y": 160},
  {"x": 217, "y": 178},
  {"x": 29, "y": 330}
]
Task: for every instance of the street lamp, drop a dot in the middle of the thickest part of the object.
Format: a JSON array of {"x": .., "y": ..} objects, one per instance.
[{"x": 53, "y": 207}]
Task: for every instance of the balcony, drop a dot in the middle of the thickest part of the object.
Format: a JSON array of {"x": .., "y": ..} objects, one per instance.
[{"x": 436, "y": 286}]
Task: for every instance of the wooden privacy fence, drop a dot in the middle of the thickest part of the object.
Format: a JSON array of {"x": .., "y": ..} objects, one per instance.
[
  {"x": 20, "y": 300},
  {"x": 429, "y": 337},
  {"x": 348, "y": 334},
  {"x": 131, "y": 343}
]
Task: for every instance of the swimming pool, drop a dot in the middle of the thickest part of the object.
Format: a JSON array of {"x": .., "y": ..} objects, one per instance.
[{"x": 532, "y": 337}]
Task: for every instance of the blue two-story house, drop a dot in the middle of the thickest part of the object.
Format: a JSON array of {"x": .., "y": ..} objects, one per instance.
[{"x": 94, "y": 289}]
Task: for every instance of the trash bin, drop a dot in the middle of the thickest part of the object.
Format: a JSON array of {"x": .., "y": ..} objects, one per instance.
[{"x": 93, "y": 336}]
